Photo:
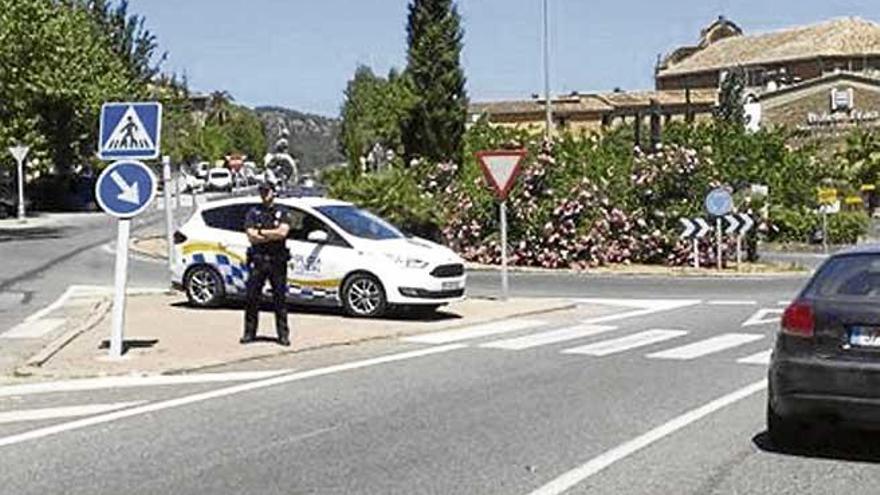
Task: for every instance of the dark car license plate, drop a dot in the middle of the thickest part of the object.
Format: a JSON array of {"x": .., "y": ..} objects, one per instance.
[{"x": 864, "y": 336}]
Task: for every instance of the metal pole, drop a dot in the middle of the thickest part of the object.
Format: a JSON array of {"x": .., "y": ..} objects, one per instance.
[
  {"x": 177, "y": 191},
  {"x": 739, "y": 252},
  {"x": 696, "y": 252},
  {"x": 21, "y": 212},
  {"x": 118, "y": 317},
  {"x": 547, "y": 104},
  {"x": 169, "y": 215},
  {"x": 718, "y": 239},
  {"x": 825, "y": 231},
  {"x": 504, "y": 282}
]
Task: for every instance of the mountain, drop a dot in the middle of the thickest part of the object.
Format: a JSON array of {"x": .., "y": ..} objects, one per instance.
[{"x": 314, "y": 139}]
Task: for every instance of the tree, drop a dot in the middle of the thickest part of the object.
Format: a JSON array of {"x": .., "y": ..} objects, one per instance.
[
  {"x": 436, "y": 123},
  {"x": 374, "y": 112},
  {"x": 731, "y": 97}
]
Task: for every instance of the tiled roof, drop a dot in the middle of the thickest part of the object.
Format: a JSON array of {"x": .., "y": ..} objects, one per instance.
[
  {"x": 849, "y": 36},
  {"x": 596, "y": 102}
]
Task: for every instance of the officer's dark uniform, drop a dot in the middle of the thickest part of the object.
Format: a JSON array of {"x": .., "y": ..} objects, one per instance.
[{"x": 266, "y": 261}]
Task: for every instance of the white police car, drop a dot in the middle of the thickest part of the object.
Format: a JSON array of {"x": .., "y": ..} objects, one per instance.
[{"x": 339, "y": 255}]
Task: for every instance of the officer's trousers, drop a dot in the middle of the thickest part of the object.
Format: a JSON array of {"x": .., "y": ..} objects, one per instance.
[{"x": 275, "y": 270}]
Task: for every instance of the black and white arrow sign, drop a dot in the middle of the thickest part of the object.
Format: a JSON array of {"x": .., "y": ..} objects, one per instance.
[
  {"x": 704, "y": 228},
  {"x": 738, "y": 224},
  {"x": 694, "y": 228}
]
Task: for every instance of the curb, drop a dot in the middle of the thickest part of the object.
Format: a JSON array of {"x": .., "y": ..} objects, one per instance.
[
  {"x": 43, "y": 356},
  {"x": 99, "y": 311},
  {"x": 202, "y": 367},
  {"x": 669, "y": 273}
]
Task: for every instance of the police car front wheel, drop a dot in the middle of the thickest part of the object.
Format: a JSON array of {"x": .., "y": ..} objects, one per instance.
[
  {"x": 203, "y": 286},
  {"x": 363, "y": 296}
]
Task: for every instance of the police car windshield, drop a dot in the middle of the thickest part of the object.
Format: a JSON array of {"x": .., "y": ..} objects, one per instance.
[{"x": 360, "y": 223}]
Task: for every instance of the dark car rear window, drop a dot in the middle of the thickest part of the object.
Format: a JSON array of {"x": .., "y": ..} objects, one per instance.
[{"x": 849, "y": 277}]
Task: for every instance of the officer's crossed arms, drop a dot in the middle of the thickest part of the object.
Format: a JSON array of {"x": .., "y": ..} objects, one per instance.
[{"x": 259, "y": 235}]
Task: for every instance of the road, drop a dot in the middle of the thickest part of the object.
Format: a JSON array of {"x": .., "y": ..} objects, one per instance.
[
  {"x": 662, "y": 391},
  {"x": 652, "y": 397}
]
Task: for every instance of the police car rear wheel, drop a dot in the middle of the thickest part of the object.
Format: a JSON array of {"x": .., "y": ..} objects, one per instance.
[
  {"x": 204, "y": 287},
  {"x": 363, "y": 296}
]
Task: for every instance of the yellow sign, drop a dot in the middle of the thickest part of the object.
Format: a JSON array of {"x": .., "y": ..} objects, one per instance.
[
  {"x": 853, "y": 200},
  {"x": 827, "y": 196},
  {"x": 868, "y": 187}
]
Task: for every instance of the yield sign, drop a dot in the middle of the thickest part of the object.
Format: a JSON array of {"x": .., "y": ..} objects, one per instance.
[
  {"x": 19, "y": 152},
  {"x": 501, "y": 169}
]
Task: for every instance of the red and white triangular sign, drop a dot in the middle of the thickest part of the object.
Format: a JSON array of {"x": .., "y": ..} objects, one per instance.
[{"x": 501, "y": 169}]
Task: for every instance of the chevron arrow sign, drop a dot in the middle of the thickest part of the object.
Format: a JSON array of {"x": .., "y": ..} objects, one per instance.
[
  {"x": 733, "y": 224},
  {"x": 747, "y": 225},
  {"x": 704, "y": 228},
  {"x": 689, "y": 228}
]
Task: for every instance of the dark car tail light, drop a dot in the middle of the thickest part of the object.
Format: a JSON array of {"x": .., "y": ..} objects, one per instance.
[
  {"x": 798, "y": 320},
  {"x": 179, "y": 238}
]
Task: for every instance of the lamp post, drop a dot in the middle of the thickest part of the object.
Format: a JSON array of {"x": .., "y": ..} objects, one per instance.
[{"x": 548, "y": 124}]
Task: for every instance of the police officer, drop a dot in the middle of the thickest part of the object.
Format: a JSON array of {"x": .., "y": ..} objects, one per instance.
[{"x": 267, "y": 227}]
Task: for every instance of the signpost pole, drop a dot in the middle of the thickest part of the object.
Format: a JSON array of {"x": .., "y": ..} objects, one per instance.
[
  {"x": 21, "y": 212},
  {"x": 176, "y": 178},
  {"x": 739, "y": 251},
  {"x": 719, "y": 239},
  {"x": 504, "y": 282},
  {"x": 169, "y": 215},
  {"x": 118, "y": 317},
  {"x": 825, "y": 230},
  {"x": 696, "y": 252}
]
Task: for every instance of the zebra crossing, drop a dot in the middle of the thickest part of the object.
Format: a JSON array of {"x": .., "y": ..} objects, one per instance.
[{"x": 596, "y": 339}]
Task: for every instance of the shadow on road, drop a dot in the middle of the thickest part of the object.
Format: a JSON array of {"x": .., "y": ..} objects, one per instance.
[
  {"x": 36, "y": 234},
  {"x": 397, "y": 314},
  {"x": 841, "y": 444}
]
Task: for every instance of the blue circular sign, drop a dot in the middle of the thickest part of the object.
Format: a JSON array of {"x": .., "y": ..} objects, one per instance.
[
  {"x": 719, "y": 202},
  {"x": 125, "y": 188}
]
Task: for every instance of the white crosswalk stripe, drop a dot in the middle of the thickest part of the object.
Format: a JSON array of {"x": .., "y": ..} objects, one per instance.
[
  {"x": 626, "y": 343},
  {"x": 551, "y": 337},
  {"x": 707, "y": 346},
  {"x": 762, "y": 357},
  {"x": 473, "y": 332}
]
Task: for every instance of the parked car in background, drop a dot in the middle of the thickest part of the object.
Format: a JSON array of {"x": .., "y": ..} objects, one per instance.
[
  {"x": 219, "y": 179},
  {"x": 191, "y": 183}
]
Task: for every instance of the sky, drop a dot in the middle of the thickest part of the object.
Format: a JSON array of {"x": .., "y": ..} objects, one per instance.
[{"x": 301, "y": 53}]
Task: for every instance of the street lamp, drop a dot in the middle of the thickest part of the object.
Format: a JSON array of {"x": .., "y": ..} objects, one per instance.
[{"x": 548, "y": 124}]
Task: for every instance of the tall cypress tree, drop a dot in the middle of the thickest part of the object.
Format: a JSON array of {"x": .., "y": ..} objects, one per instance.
[{"x": 435, "y": 125}]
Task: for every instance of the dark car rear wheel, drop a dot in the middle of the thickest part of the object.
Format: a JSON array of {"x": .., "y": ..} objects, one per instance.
[
  {"x": 204, "y": 287},
  {"x": 786, "y": 432}
]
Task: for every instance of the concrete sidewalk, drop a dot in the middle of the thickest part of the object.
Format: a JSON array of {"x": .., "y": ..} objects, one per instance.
[{"x": 166, "y": 335}]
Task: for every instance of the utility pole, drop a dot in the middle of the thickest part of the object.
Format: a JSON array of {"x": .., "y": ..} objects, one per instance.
[{"x": 548, "y": 124}]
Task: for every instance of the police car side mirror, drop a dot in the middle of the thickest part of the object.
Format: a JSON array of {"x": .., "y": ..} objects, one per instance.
[{"x": 317, "y": 236}]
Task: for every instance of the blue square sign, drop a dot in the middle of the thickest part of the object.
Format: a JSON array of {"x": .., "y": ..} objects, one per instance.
[{"x": 130, "y": 131}]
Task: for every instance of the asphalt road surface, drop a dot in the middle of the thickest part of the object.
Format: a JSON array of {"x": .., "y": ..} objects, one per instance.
[{"x": 653, "y": 397}]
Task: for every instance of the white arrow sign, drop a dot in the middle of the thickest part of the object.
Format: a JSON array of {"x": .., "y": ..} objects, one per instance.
[
  {"x": 129, "y": 192},
  {"x": 19, "y": 152},
  {"x": 748, "y": 223},
  {"x": 689, "y": 227},
  {"x": 704, "y": 228},
  {"x": 733, "y": 224}
]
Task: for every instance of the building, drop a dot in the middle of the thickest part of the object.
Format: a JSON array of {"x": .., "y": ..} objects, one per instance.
[{"x": 819, "y": 78}]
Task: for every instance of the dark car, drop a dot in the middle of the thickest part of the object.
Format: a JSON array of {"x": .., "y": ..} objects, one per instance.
[{"x": 825, "y": 367}]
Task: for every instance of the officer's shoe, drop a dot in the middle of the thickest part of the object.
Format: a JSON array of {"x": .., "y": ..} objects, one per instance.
[
  {"x": 247, "y": 339},
  {"x": 284, "y": 341}
]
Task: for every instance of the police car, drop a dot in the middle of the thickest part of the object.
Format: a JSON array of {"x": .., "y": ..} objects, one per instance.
[{"x": 339, "y": 255}]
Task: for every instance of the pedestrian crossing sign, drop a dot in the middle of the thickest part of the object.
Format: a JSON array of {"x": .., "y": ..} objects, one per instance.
[{"x": 130, "y": 131}]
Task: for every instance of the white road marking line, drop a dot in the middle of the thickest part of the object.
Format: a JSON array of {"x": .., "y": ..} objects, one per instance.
[
  {"x": 579, "y": 474},
  {"x": 134, "y": 381},
  {"x": 764, "y": 316},
  {"x": 634, "y": 341},
  {"x": 223, "y": 392},
  {"x": 783, "y": 303},
  {"x": 473, "y": 332},
  {"x": 732, "y": 303},
  {"x": 762, "y": 358},
  {"x": 707, "y": 346},
  {"x": 62, "y": 412},
  {"x": 52, "y": 307},
  {"x": 647, "y": 306},
  {"x": 546, "y": 338},
  {"x": 33, "y": 329}
]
